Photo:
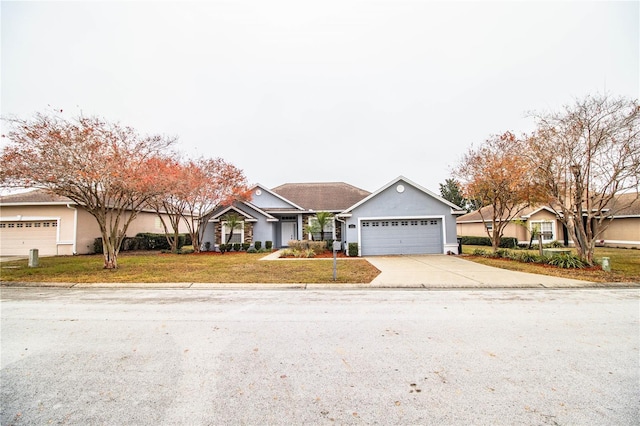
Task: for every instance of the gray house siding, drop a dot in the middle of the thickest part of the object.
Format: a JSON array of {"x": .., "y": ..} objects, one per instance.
[{"x": 389, "y": 207}]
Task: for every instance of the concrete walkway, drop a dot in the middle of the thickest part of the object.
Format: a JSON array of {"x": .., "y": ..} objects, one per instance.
[{"x": 440, "y": 271}]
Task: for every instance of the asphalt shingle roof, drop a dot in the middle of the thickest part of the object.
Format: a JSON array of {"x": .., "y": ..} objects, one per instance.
[{"x": 322, "y": 196}]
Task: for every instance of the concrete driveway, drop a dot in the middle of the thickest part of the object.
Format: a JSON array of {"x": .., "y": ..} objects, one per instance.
[{"x": 441, "y": 271}]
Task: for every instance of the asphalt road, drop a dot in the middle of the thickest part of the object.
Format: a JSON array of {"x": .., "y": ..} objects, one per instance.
[{"x": 124, "y": 357}]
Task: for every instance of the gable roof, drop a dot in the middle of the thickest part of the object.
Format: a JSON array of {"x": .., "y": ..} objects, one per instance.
[
  {"x": 455, "y": 209},
  {"x": 322, "y": 196},
  {"x": 630, "y": 200},
  {"x": 275, "y": 194},
  {"x": 36, "y": 196}
]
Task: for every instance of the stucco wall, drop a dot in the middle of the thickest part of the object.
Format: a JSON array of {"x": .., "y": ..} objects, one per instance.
[
  {"x": 623, "y": 232},
  {"x": 411, "y": 203}
]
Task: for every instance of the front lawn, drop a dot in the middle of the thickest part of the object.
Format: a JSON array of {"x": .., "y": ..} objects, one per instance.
[
  {"x": 625, "y": 265},
  {"x": 197, "y": 268}
]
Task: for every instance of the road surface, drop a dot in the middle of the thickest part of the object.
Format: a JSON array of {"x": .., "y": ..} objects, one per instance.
[{"x": 125, "y": 357}]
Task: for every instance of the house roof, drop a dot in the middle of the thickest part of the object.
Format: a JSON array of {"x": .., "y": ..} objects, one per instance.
[
  {"x": 631, "y": 202},
  {"x": 36, "y": 196},
  {"x": 322, "y": 196}
]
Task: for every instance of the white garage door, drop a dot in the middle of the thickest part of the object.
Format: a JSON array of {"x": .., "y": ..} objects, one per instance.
[
  {"x": 401, "y": 236},
  {"x": 17, "y": 238}
]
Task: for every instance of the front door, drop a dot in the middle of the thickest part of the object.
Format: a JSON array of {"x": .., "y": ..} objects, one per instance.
[{"x": 288, "y": 233}]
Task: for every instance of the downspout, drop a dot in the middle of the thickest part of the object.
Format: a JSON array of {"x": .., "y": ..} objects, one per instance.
[
  {"x": 75, "y": 227},
  {"x": 343, "y": 232}
]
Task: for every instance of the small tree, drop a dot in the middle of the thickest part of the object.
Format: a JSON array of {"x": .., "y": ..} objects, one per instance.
[
  {"x": 212, "y": 183},
  {"x": 233, "y": 221},
  {"x": 497, "y": 177},
  {"x": 323, "y": 219},
  {"x": 451, "y": 191},
  {"x": 584, "y": 156},
  {"x": 107, "y": 168},
  {"x": 169, "y": 204}
]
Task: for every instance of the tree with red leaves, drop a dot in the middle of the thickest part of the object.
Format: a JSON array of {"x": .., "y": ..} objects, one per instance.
[
  {"x": 109, "y": 169},
  {"x": 497, "y": 176},
  {"x": 211, "y": 183}
]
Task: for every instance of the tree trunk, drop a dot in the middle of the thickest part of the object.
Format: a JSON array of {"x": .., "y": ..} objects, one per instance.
[{"x": 110, "y": 254}]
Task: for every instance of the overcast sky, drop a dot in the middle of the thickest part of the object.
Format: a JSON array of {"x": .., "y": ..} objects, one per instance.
[{"x": 353, "y": 91}]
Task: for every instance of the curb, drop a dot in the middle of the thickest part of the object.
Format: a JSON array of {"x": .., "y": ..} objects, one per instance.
[{"x": 312, "y": 286}]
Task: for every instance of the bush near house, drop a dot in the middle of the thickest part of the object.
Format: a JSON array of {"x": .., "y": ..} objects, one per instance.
[
  {"x": 353, "y": 250},
  {"x": 303, "y": 245},
  {"x": 505, "y": 242},
  {"x": 145, "y": 241}
]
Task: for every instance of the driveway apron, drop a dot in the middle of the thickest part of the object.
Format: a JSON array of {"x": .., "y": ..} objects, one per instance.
[{"x": 441, "y": 271}]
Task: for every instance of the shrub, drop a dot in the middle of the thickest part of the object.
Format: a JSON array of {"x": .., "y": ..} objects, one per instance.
[
  {"x": 328, "y": 245},
  {"x": 207, "y": 246},
  {"x": 479, "y": 252},
  {"x": 566, "y": 261},
  {"x": 505, "y": 242},
  {"x": 257, "y": 245},
  {"x": 353, "y": 249},
  {"x": 245, "y": 246},
  {"x": 252, "y": 250},
  {"x": 316, "y": 246},
  {"x": 268, "y": 245},
  {"x": 526, "y": 257},
  {"x": 236, "y": 246},
  {"x": 223, "y": 248}
]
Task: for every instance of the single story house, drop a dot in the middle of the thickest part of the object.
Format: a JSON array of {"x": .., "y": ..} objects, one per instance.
[
  {"x": 55, "y": 225},
  {"x": 400, "y": 218},
  {"x": 622, "y": 231}
]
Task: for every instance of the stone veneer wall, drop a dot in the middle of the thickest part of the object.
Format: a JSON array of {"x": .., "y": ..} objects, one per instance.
[{"x": 248, "y": 232}]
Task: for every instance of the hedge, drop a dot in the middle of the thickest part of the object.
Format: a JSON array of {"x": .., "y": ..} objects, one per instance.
[
  {"x": 505, "y": 242},
  {"x": 145, "y": 241}
]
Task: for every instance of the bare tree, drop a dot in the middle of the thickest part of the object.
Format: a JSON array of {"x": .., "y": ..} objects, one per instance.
[{"x": 585, "y": 156}]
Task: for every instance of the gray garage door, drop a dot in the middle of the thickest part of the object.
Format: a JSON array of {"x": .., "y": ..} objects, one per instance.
[{"x": 401, "y": 236}]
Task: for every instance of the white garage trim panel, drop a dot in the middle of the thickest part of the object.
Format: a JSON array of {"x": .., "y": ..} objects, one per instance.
[{"x": 401, "y": 235}]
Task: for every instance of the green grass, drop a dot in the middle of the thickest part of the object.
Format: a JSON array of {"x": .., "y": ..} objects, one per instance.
[
  {"x": 625, "y": 265},
  {"x": 202, "y": 268}
]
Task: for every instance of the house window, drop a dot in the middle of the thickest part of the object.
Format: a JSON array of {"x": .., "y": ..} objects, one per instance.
[
  {"x": 414, "y": 223},
  {"x": 28, "y": 225},
  {"x": 385, "y": 223},
  {"x": 36, "y": 225},
  {"x": 404, "y": 223},
  {"x": 11, "y": 225},
  {"x": 328, "y": 228},
  {"x": 238, "y": 233},
  {"x": 3, "y": 225},
  {"x": 546, "y": 227},
  {"x": 394, "y": 223},
  {"x": 365, "y": 223},
  {"x": 489, "y": 226},
  {"x": 19, "y": 225},
  {"x": 424, "y": 222},
  {"x": 433, "y": 222}
]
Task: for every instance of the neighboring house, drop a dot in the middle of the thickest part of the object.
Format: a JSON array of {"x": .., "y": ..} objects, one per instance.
[
  {"x": 55, "y": 225},
  {"x": 400, "y": 218},
  {"x": 622, "y": 231}
]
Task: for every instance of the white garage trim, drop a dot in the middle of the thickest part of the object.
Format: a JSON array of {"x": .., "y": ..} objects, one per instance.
[{"x": 446, "y": 246}]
